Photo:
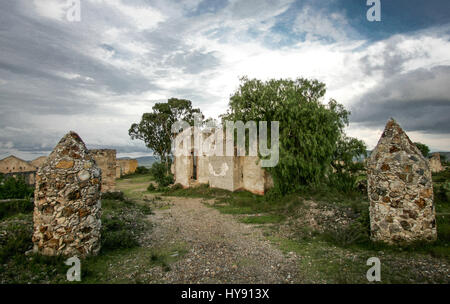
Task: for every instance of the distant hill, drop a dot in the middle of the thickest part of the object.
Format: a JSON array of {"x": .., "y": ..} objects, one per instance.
[{"x": 144, "y": 161}]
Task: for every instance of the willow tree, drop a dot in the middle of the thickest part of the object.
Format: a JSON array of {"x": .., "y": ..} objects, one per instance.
[{"x": 309, "y": 129}]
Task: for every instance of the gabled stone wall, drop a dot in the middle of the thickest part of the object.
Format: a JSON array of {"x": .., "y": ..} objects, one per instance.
[
  {"x": 400, "y": 190},
  {"x": 67, "y": 205}
]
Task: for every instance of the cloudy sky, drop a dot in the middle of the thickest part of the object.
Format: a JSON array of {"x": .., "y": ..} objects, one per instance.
[{"x": 97, "y": 76}]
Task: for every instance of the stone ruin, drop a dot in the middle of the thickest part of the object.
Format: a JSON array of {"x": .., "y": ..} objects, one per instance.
[
  {"x": 231, "y": 173},
  {"x": 126, "y": 166},
  {"x": 106, "y": 160},
  {"x": 435, "y": 163},
  {"x": 400, "y": 190},
  {"x": 67, "y": 205}
]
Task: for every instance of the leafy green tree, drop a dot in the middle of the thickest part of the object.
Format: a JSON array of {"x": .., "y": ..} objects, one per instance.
[
  {"x": 423, "y": 148},
  {"x": 155, "y": 127},
  {"x": 11, "y": 187},
  {"x": 309, "y": 130}
]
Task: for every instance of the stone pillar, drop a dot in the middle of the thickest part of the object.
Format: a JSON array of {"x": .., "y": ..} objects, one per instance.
[
  {"x": 67, "y": 205},
  {"x": 400, "y": 190}
]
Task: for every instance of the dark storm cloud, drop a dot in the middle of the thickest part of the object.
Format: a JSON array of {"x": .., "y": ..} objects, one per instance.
[{"x": 419, "y": 99}]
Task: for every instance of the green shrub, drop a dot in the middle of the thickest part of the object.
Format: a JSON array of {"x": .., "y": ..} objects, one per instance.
[
  {"x": 15, "y": 207},
  {"x": 113, "y": 195},
  {"x": 142, "y": 170},
  {"x": 11, "y": 188},
  {"x": 16, "y": 242},
  {"x": 354, "y": 233},
  {"x": 160, "y": 175},
  {"x": 119, "y": 239},
  {"x": 151, "y": 188}
]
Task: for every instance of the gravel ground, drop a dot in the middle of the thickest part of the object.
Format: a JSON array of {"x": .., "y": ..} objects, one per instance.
[{"x": 219, "y": 249}]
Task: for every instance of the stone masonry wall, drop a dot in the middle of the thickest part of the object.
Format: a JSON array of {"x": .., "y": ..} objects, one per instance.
[
  {"x": 435, "y": 163},
  {"x": 400, "y": 190},
  {"x": 67, "y": 205},
  {"x": 106, "y": 161}
]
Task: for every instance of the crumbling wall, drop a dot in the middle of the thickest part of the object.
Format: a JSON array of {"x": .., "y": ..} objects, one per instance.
[
  {"x": 12, "y": 164},
  {"x": 67, "y": 205},
  {"x": 253, "y": 175},
  {"x": 224, "y": 172},
  {"x": 38, "y": 161},
  {"x": 183, "y": 170},
  {"x": 106, "y": 161},
  {"x": 127, "y": 166},
  {"x": 435, "y": 163},
  {"x": 400, "y": 190}
]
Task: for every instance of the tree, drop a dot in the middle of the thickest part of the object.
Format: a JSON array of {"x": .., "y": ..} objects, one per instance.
[
  {"x": 155, "y": 127},
  {"x": 309, "y": 130},
  {"x": 423, "y": 148}
]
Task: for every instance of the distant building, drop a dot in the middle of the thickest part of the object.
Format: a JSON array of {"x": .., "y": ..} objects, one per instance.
[
  {"x": 38, "y": 162},
  {"x": 16, "y": 167},
  {"x": 435, "y": 163},
  {"x": 126, "y": 166}
]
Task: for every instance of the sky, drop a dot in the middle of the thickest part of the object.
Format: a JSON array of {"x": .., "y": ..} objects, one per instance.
[{"x": 98, "y": 75}]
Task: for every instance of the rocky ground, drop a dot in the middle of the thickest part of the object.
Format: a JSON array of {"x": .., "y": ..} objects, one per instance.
[{"x": 219, "y": 249}]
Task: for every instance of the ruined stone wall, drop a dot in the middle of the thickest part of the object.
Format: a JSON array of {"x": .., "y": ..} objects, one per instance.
[
  {"x": 203, "y": 169},
  {"x": 12, "y": 164},
  {"x": 67, "y": 205},
  {"x": 127, "y": 166},
  {"x": 183, "y": 170},
  {"x": 435, "y": 163},
  {"x": 253, "y": 175},
  {"x": 106, "y": 161},
  {"x": 400, "y": 190},
  {"x": 224, "y": 172},
  {"x": 38, "y": 161}
]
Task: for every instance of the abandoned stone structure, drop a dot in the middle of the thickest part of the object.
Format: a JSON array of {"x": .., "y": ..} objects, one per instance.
[
  {"x": 224, "y": 172},
  {"x": 435, "y": 163},
  {"x": 106, "y": 161},
  {"x": 127, "y": 166},
  {"x": 12, "y": 164},
  {"x": 400, "y": 190},
  {"x": 67, "y": 205},
  {"x": 38, "y": 162},
  {"x": 16, "y": 167}
]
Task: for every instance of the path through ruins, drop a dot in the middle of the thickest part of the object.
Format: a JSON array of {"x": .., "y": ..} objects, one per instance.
[{"x": 219, "y": 248}]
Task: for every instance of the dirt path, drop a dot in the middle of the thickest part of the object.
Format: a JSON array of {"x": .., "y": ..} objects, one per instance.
[{"x": 219, "y": 248}]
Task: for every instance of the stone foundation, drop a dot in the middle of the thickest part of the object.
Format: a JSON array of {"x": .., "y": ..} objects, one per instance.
[
  {"x": 67, "y": 205},
  {"x": 400, "y": 190}
]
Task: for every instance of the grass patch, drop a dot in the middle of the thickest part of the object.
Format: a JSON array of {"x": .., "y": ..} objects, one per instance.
[{"x": 14, "y": 207}]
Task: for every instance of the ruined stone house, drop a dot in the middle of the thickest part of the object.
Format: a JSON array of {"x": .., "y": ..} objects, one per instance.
[
  {"x": 224, "y": 172},
  {"x": 126, "y": 166},
  {"x": 38, "y": 162},
  {"x": 106, "y": 161},
  {"x": 435, "y": 163},
  {"x": 16, "y": 167}
]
